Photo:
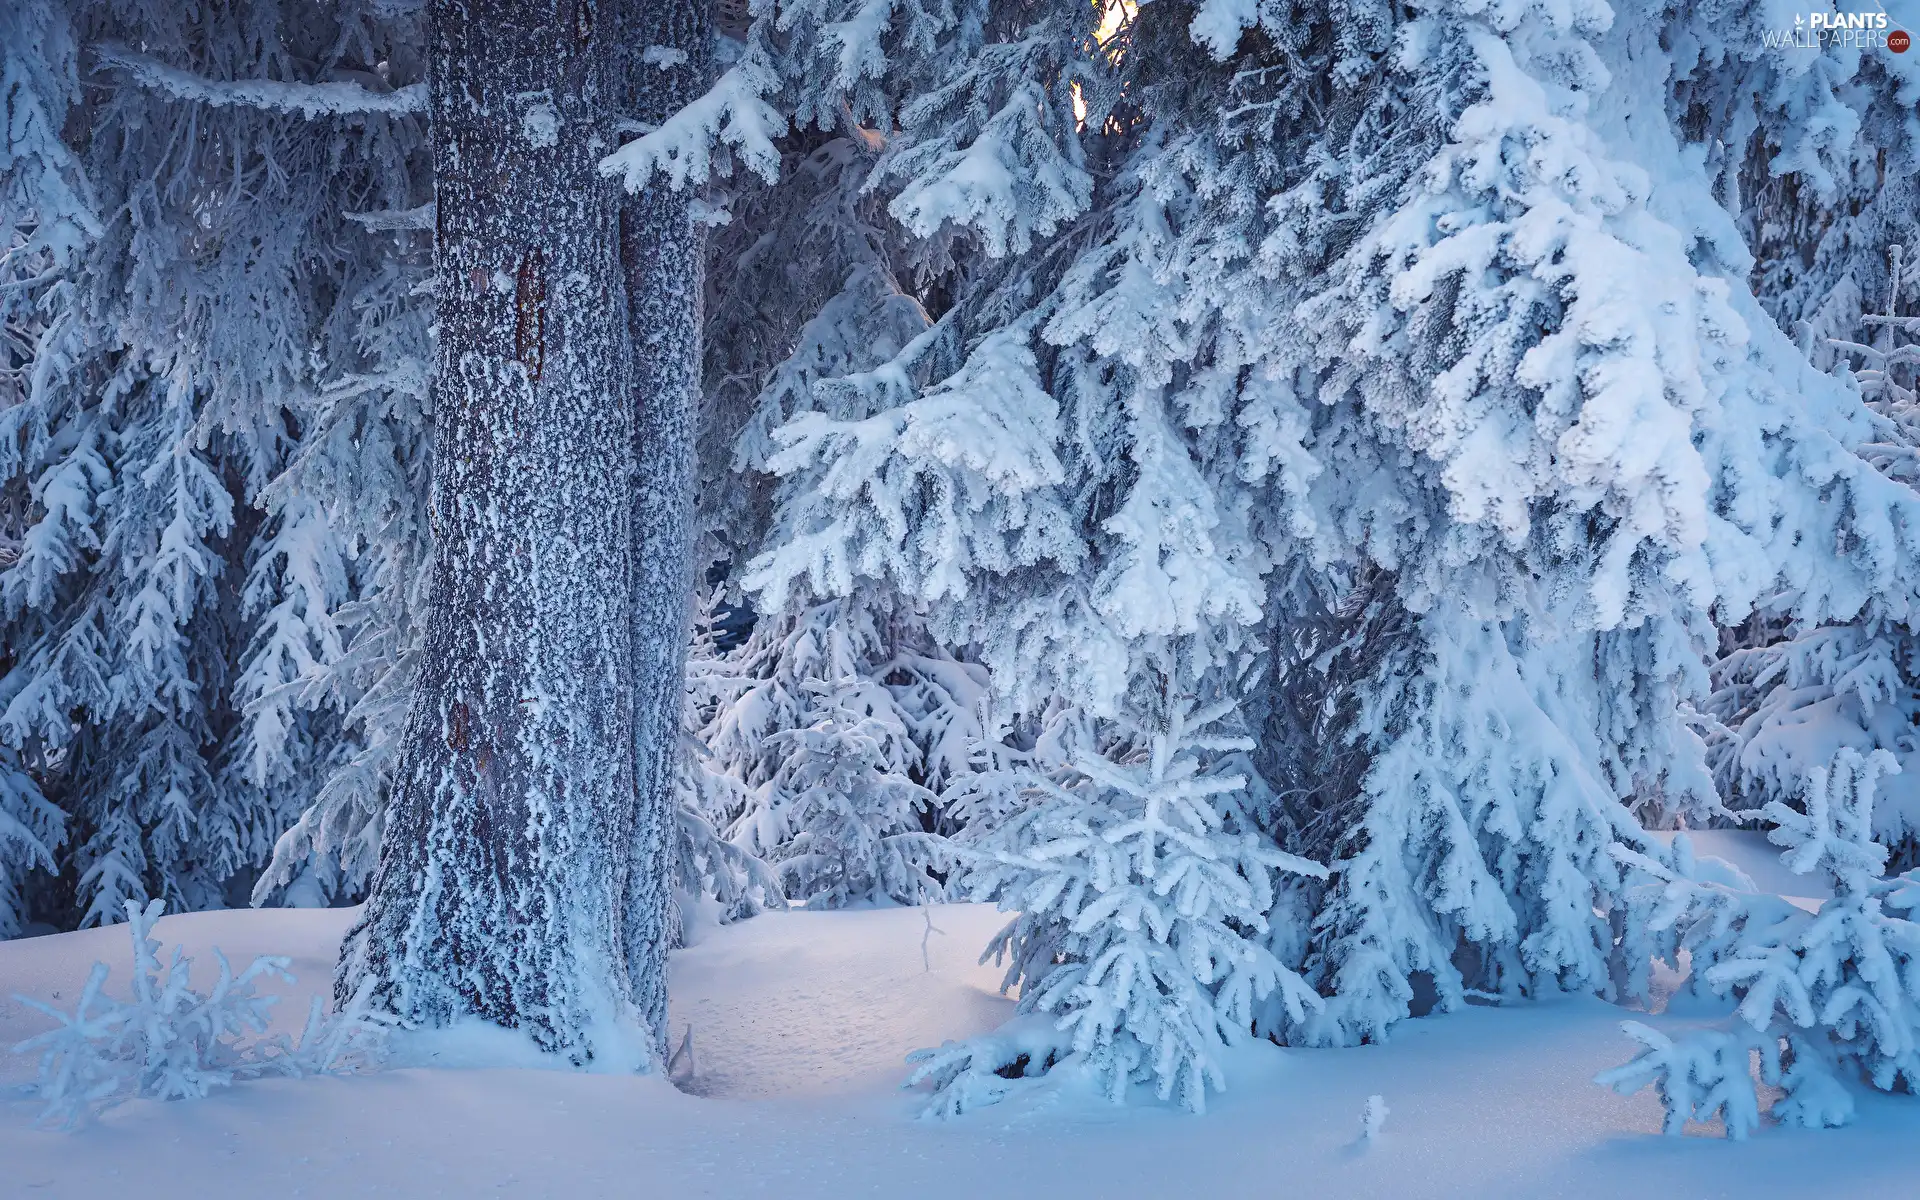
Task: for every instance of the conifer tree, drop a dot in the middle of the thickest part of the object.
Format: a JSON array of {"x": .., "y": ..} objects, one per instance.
[
  {"x": 208, "y": 236},
  {"x": 1386, "y": 297},
  {"x": 662, "y": 56},
  {"x": 840, "y": 749},
  {"x": 507, "y": 886}
]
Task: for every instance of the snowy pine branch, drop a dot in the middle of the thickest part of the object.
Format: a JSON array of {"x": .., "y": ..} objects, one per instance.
[
  {"x": 1828, "y": 998},
  {"x": 699, "y": 141},
  {"x": 309, "y": 100}
]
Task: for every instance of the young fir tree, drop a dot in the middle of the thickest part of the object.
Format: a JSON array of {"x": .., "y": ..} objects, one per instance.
[
  {"x": 1144, "y": 887},
  {"x": 710, "y": 797},
  {"x": 841, "y": 736}
]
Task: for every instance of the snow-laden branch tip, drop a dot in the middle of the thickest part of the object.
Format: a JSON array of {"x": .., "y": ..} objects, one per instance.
[
  {"x": 309, "y": 100},
  {"x": 1373, "y": 1118},
  {"x": 386, "y": 220},
  {"x": 733, "y": 113}
]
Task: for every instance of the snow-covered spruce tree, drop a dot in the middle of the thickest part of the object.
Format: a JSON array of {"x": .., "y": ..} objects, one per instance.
[
  {"x": 1143, "y": 885},
  {"x": 788, "y": 336},
  {"x": 1828, "y": 999},
  {"x": 1384, "y": 294},
  {"x": 1813, "y": 150},
  {"x": 1535, "y": 502},
  {"x": 1792, "y": 701},
  {"x": 200, "y": 276},
  {"x": 503, "y": 887},
  {"x": 846, "y": 823},
  {"x": 1552, "y": 413},
  {"x": 841, "y": 737}
]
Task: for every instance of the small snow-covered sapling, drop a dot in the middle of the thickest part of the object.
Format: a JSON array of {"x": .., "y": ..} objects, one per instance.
[{"x": 170, "y": 1042}]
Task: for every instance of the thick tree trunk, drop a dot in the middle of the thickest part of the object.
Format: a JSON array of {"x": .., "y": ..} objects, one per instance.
[
  {"x": 502, "y": 888},
  {"x": 661, "y": 253}
]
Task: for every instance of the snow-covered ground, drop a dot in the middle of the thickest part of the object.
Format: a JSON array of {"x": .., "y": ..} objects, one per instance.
[{"x": 800, "y": 1022}]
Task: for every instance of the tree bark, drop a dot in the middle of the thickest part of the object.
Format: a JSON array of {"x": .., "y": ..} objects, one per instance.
[
  {"x": 662, "y": 259},
  {"x": 502, "y": 890}
]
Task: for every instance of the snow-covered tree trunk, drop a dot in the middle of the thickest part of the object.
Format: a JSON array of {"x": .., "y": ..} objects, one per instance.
[
  {"x": 502, "y": 886},
  {"x": 666, "y": 48}
]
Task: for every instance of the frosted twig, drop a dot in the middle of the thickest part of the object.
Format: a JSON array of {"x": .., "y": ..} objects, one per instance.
[
  {"x": 683, "y": 1054},
  {"x": 394, "y": 219},
  {"x": 927, "y": 913}
]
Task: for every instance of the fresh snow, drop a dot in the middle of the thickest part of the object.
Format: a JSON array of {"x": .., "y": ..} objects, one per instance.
[
  {"x": 541, "y": 126},
  {"x": 801, "y": 1021},
  {"x": 802, "y": 1004}
]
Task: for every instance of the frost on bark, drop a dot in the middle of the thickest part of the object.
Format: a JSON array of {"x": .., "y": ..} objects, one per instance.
[
  {"x": 666, "y": 60},
  {"x": 502, "y": 883}
]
